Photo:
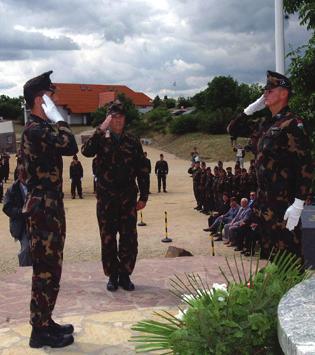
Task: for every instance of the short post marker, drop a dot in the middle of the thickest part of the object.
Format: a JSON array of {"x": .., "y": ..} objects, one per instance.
[{"x": 166, "y": 239}]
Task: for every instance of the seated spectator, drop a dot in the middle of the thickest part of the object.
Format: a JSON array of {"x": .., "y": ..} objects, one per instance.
[
  {"x": 223, "y": 209},
  {"x": 225, "y": 218},
  {"x": 238, "y": 225}
]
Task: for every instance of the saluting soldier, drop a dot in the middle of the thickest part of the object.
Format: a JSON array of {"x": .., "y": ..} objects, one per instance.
[
  {"x": 283, "y": 165},
  {"x": 119, "y": 162},
  {"x": 42, "y": 148}
]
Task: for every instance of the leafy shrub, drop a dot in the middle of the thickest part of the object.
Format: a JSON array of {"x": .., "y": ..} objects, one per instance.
[
  {"x": 240, "y": 319},
  {"x": 183, "y": 124},
  {"x": 214, "y": 122},
  {"x": 98, "y": 116},
  {"x": 158, "y": 119}
]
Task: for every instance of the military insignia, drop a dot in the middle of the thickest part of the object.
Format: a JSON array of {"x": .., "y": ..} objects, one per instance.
[
  {"x": 300, "y": 124},
  {"x": 107, "y": 134}
]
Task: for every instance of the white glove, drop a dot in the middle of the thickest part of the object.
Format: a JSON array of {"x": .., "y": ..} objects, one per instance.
[
  {"x": 293, "y": 214},
  {"x": 51, "y": 110},
  {"x": 106, "y": 123},
  {"x": 258, "y": 105}
]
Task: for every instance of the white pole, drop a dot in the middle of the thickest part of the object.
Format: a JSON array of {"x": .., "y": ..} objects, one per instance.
[{"x": 279, "y": 36}]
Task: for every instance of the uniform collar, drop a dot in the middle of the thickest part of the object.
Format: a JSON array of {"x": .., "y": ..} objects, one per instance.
[
  {"x": 281, "y": 113},
  {"x": 38, "y": 119}
]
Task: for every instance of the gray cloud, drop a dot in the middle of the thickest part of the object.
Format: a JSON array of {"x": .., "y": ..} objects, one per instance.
[
  {"x": 6, "y": 85},
  {"x": 147, "y": 46}
]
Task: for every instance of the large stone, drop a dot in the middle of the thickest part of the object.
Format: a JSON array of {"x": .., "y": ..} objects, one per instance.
[
  {"x": 174, "y": 252},
  {"x": 296, "y": 319}
]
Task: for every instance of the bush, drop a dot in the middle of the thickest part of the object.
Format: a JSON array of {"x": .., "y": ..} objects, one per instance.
[
  {"x": 158, "y": 119},
  {"x": 183, "y": 124},
  {"x": 98, "y": 116},
  {"x": 214, "y": 122},
  {"x": 239, "y": 318}
]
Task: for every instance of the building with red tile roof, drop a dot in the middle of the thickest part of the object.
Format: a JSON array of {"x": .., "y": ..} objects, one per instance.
[{"x": 76, "y": 102}]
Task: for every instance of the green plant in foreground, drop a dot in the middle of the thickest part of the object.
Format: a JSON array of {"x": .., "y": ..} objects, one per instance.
[{"x": 239, "y": 319}]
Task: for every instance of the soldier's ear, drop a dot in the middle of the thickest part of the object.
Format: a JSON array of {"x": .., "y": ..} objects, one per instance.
[{"x": 38, "y": 100}]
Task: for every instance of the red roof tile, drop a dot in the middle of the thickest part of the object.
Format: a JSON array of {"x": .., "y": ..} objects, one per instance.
[{"x": 85, "y": 98}]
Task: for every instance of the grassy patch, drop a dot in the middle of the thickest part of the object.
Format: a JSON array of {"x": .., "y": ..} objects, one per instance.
[{"x": 210, "y": 147}]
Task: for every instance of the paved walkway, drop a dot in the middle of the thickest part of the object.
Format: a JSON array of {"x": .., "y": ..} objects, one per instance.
[{"x": 102, "y": 319}]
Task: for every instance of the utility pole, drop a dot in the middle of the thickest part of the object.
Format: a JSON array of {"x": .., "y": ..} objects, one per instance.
[{"x": 279, "y": 36}]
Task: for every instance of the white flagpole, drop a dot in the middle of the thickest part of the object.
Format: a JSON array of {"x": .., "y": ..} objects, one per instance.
[{"x": 279, "y": 36}]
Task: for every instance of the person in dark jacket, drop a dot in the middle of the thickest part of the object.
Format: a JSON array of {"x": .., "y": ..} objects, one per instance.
[
  {"x": 161, "y": 170},
  {"x": 1, "y": 179},
  {"x": 6, "y": 163},
  {"x": 76, "y": 175},
  {"x": 13, "y": 202},
  {"x": 148, "y": 165}
]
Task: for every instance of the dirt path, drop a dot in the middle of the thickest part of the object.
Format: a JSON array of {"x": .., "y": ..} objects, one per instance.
[{"x": 83, "y": 244}]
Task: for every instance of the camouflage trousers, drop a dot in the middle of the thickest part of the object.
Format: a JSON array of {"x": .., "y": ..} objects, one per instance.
[
  {"x": 274, "y": 235},
  {"x": 47, "y": 230},
  {"x": 116, "y": 213}
]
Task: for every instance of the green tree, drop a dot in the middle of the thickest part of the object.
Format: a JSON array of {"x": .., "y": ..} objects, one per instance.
[
  {"x": 11, "y": 108},
  {"x": 157, "y": 101},
  {"x": 222, "y": 92},
  {"x": 305, "y": 10},
  {"x": 302, "y": 67},
  {"x": 184, "y": 102},
  {"x": 132, "y": 113},
  {"x": 169, "y": 103},
  {"x": 199, "y": 100},
  {"x": 99, "y": 115}
]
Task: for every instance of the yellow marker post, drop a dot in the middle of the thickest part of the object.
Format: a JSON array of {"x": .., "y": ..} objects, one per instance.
[
  {"x": 166, "y": 239},
  {"x": 212, "y": 243},
  {"x": 141, "y": 223}
]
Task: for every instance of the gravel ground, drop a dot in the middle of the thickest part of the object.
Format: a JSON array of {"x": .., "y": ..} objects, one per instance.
[{"x": 82, "y": 242}]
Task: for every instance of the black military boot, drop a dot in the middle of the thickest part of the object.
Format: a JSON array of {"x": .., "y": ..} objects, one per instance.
[
  {"x": 112, "y": 284},
  {"x": 43, "y": 336},
  {"x": 125, "y": 282},
  {"x": 60, "y": 329}
]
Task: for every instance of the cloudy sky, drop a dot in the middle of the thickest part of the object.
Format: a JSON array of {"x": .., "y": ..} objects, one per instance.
[{"x": 164, "y": 47}]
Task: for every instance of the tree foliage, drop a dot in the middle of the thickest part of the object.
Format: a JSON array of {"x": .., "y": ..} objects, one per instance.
[
  {"x": 11, "y": 108},
  {"x": 302, "y": 66},
  {"x": 132, "y": 113}
]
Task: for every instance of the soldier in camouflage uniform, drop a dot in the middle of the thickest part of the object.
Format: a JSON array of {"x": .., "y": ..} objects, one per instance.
[
  {"x": 119, "y": 162},
  {"x": 283, "y": 165},
  {"x": 42, "y": 148}
]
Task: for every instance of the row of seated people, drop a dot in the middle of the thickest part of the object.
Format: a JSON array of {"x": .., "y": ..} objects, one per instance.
[
  {"x": 208, "y": 188},
  {"x": 234, "y": 224},
  {"x": 237, "y": 225}
]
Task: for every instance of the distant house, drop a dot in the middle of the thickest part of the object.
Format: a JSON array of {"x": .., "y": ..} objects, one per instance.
[
  {"x": 76, "y": 102},
  {"x": 7, "y": 137}
]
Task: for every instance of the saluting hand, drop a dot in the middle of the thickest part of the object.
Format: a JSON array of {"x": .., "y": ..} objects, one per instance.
[
  {"x": 51, "y": 110},
  {"x": 140, "y": 205},
  {"x": 106, "y": 123}
]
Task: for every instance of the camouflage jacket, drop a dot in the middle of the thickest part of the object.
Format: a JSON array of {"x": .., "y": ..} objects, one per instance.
[
  {"x": 283, "y": 155},
  {"x": 41, "y": 153},
  {"x": 118, "y": 163}
]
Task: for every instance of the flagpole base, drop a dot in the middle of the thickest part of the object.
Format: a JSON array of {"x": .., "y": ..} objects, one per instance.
[{"x": 166, "y": 240}]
